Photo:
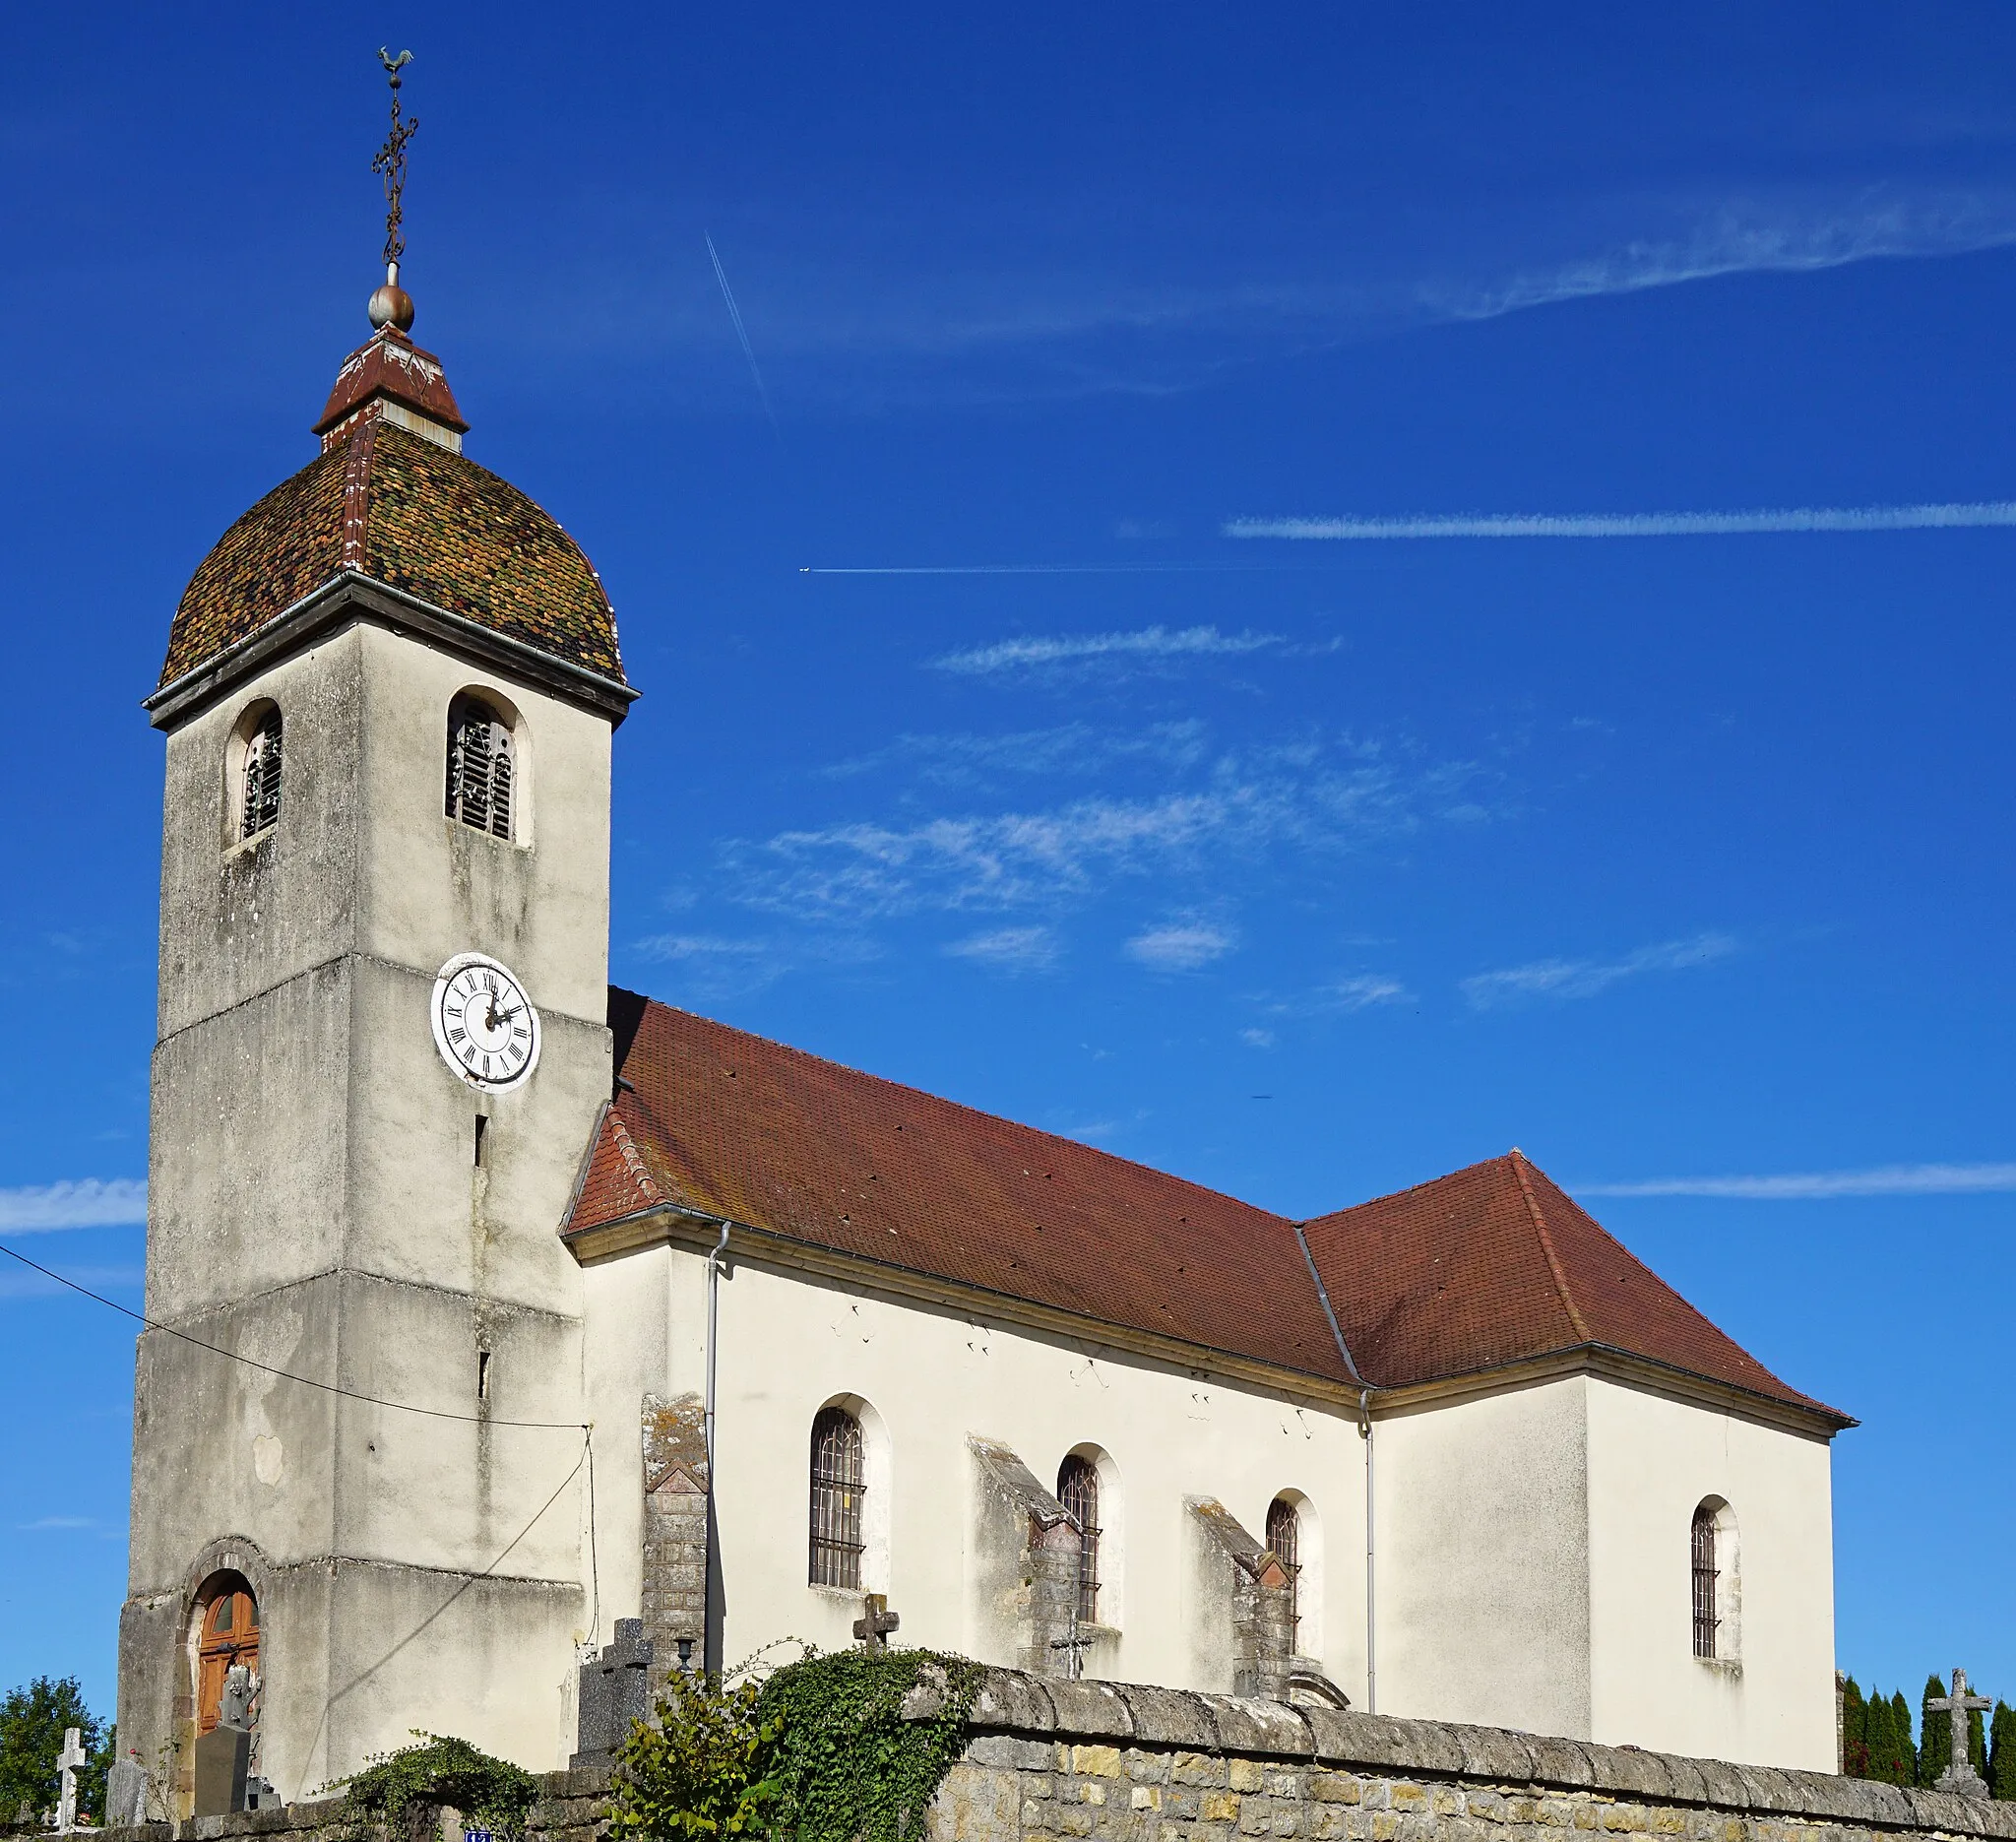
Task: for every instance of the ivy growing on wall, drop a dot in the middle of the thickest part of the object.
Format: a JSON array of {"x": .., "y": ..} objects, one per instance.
[
  {"x": 404, "y": 1790},
  {"x": 847, "y": 1747},
  {"x": 865, "y": 1739}
]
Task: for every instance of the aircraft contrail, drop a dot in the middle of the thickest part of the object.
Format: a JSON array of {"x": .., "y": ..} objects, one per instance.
[
  {"x": 727, "y": 293},
  {"x": 1992, "y": 512}
]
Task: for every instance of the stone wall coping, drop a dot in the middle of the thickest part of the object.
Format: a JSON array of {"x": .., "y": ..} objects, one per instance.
[
  {"x": 557, "y": 1791},
  {"x": 1010, "y": 1702}
]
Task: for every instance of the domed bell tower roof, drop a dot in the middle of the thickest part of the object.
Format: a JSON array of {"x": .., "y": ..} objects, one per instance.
[{"x": 396, "y": 525}]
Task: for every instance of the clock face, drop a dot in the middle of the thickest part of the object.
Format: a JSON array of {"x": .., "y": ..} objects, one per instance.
[{"x": 484, "y": 1025}]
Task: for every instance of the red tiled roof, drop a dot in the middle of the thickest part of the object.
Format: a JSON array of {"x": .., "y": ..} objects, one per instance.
[
  {"x": 1495, "y": 1262},
  {"x": 734, "y": 1126},
  {"x": 1473, "y": 1270},
  {"x": 389, "y": 505}
]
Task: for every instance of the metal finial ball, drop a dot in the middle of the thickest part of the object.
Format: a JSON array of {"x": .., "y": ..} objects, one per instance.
[{"x": 391, "y": 305}]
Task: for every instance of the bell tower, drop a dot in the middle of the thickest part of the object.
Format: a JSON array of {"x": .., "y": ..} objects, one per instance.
[{"x": 388, "y": 702}]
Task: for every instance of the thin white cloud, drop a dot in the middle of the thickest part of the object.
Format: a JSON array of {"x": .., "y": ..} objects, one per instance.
[
  {"x": 58, "y": 1522},
  {"x": 1890, "y": 1179},
  {"x": 1583, "y": 977},
  {"x": 1362, "y": 992},
  {"x": 1258, "y": 1038},
  {"x": 1157, "y": 642},
  {"x": 1798, "y": 518},
  {"x": 1315, "y": 795},
  {"x": 688, "y": 946},
  {"x": 1748, "y": 238},
  {"x": 1181, "y": 946},
  {"x": 89, "y": 1202},
  {"x": 1011, "y": 949}
]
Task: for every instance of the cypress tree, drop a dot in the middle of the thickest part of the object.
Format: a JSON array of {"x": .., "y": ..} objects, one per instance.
[
  {"x": 1855, "y": 1732},
  {"x": 1882, "y": 1739},
  {"x": 2002, "y": 1772},
  {"x": 1977, "y": 1743},
  {"x": 1907, "y": 1754},
  {"x": 1936, "y": 1733}
]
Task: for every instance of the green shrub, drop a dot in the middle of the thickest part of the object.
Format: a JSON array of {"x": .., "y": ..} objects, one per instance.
[
  {"x": 863, "y": 1741},
  {"x": 403, "y": 1788},
  {"x": 699, "y": 1770}
]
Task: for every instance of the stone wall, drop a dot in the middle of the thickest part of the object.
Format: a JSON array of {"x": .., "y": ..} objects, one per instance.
[{"x": 1118, "y": 1764}]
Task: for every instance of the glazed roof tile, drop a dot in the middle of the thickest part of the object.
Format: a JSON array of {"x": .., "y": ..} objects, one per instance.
[
  {"x": 389, "y": 505},
  {"x": 1487, "y": 1266}
]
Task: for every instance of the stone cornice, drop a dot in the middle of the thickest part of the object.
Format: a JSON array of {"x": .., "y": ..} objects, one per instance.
[
  {"x": 347, "y": 598},
  {"x": 692, "y": 1228}
]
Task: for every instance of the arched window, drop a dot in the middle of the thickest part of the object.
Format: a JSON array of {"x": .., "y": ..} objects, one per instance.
[
  {"x": 1707, "y": 1597},
  {"x": 1077, "y": 1492},
  {"x": 259, "y": 775},
  {"x": 838, "y": 1489},
  {"x": 229, "y": 1635},
  {"x": 480, "y": 767},
  {"x": 1284, "y": 1538}
]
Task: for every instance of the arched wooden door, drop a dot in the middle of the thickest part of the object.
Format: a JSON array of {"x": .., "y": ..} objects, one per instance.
[{"x": 229, "y": 1635}]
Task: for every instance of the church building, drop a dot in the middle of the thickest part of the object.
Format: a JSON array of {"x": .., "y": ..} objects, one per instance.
[{"x": 495, "y": 1306}]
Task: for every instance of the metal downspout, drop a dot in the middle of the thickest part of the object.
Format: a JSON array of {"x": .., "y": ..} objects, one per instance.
[
  {"x": 710, "y": 1643},
  {"x": 1365, "y": 1434}
]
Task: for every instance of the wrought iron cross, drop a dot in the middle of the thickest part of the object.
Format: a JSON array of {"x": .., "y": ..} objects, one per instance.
[{"x": 390, "y": 165}]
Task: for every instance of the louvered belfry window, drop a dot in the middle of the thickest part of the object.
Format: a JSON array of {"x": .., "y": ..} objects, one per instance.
[
  {"x": 838, "y": 1486},
  {"x": 1705, "y": 1617},
  {"x": 1077, "y": 1492},
  {"x": 1283, "y": 1536},
  {"x": 479, "y": 767},
  {"x": 259, "y": 804}
]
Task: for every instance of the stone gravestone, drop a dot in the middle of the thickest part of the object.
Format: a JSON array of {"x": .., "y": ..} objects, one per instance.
[
  {"x": 614, "y": 1694},
  {"x": 72, "y": 1757},
  {"x": 1959, "y": 1777},
  {"x": 223, "y": 1756},
  {"x": 126, "y": 1792}
]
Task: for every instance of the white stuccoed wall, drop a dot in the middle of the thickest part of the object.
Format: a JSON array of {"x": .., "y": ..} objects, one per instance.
[
  {"x": 1651, "y": 1461},
  {"x": 791, "y": 1343},
  {"x": 314, "y": 1206},
  {"x": 1532, "y": 1564}
]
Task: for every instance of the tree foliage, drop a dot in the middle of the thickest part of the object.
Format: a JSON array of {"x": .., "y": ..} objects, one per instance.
[
  {"x": 1936, "y": 1733},
  {"x": 402, "y": 1789},
  {"x": 847, "y": 1748},
  {"x": 2002, "y": 1772},
  {"x": 698, "y": 1770},
  {"x": 32, "y": 1720},
  {"x": 864, "y": 1740}
]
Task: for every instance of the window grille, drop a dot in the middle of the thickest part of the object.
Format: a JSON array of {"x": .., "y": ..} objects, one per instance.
[
  {"x": 1283, "y": 1536},
  {"x": 1705, "y": 1573},
  {"x": 479, "y": 767},
  {"x": 838, "y": 1486},
  {"x": 259, "y": 805},
  {"x": 1077, "y": 1492}
]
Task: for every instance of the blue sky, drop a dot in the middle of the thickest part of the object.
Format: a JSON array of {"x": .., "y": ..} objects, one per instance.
[{"x": 1307, "y": 866}]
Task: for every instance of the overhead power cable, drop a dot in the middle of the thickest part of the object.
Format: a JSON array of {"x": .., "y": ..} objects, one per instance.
[{"x": 288, "y": 1374}]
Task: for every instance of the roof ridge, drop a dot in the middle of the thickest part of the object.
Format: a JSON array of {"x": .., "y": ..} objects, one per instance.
[
  {"x": 1517, "y": 1160},
  {"x": 1406, "y": 1189},
  {"x": 977, "y": 1113},
  {"x": 357, "y": 453}
]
